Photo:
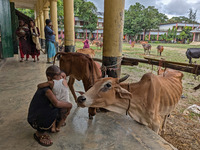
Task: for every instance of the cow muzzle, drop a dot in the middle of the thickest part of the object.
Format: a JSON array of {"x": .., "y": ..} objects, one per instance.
[{"x": 81, "y": 99}]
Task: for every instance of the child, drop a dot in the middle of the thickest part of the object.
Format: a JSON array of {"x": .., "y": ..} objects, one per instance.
[
  {"x": 44, "y": 109},
  {"x": 60, "y": 89},
  {"x": 25, "y": 27},
  {"x": 23, "y": 30}
]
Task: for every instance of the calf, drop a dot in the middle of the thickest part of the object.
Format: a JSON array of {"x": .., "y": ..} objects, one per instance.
[
  {"x": 147, "y": 47},
  {"x": 94, "y": 42},
  {"x": 148, "y": 101},
  {"x": 99, "y": 44},
  {"x": 143, "y": 42},
  {"x": 192, "y": 53},
  {"x": 132, "y": 44},
  {"x": 88, "y": 51},
  {"x": 160, "y": 49}
]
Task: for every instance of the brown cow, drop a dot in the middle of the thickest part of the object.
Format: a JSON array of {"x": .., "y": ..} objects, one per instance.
[
  {"x": 81, "y": 67},
  {"x": 146, "y": 101},
  {"x": 99, "y": 44},
  {"x": 88, "y": 51},
  {"x": 143, "y": 42},
  {"x": 94, "y": 42},
  {"x": 132, "y": 44},
  {"x": 160, "y": 49},
  {"x": 147, "y": 47}
]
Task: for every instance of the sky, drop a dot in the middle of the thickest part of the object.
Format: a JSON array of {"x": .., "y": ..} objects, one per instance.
[{"x": 172, "y": 8}]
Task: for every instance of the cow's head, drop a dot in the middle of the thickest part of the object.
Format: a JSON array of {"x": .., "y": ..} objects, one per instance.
[
  {"x": 143, "y": 44},
  {"x": 105, "y": 93}
]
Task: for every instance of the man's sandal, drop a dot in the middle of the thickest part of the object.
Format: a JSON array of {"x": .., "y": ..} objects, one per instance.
[{"x": 46, "y": 137}]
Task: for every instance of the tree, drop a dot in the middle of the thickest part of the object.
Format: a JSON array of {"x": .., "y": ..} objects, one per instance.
[
  {"x": 182, "y": 19},
  {"x": 28, "y": 12},
  {"x": 192, "y": 15},
  {"x": 172, "y": 34},
  {"x": 153, "y": 18},
  {"x": 60, "y": 11},
  {"x": 185, "y": 34},
  {"x": 163, "y": 37},
  {"x": 77, "y": 6},
  {"x": 88, "y": 13},
  {"x": 138, "y": 19},
  {"x": 133, "y": 19}
]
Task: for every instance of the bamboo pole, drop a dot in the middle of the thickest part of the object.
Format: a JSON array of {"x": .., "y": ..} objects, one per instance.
[
  {"x": 190, "y": 68},
  {"x": 178, "y": 63}
]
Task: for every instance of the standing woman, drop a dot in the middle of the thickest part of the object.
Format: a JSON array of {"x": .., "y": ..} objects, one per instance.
[
  {"x": 86, "y": 44},
  {"x": 50, "y": 40},
  {"x": 35, "y": 44},
  {"x": 24, "y": 40}
]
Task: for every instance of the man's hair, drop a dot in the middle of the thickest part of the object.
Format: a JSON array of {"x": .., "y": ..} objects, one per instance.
[{"x": 52, "y": 71}]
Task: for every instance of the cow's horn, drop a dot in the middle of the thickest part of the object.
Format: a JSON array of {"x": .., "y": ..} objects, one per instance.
[{"x": 124, "y": 78}]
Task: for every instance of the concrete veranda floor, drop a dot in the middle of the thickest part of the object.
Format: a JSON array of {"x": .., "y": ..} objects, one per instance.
[{"x": 107, "y": 131}]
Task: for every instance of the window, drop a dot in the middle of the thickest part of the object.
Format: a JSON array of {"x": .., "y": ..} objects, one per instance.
[{"x": 81, "y": 23}]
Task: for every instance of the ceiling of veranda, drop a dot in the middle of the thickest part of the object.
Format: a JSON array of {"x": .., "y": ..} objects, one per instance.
[{"x": 29, "y": 4}]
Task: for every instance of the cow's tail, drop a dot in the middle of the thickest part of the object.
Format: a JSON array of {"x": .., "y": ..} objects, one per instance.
[
  {"x": 58, "y": 53},
  {"x": 188, "y": 55}
]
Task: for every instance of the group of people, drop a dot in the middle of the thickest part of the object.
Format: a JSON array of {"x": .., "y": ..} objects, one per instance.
[
  {"x": 28, "y": 40},
  {"x": 28, "y": 35},
  {"x": 50, "y": 105}
]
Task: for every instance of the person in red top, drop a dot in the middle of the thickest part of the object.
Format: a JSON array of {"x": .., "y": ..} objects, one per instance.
[{"x": 24, "y": 40}]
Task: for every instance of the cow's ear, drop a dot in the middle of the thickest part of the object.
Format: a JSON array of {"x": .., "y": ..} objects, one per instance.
[{"x": 122, "y": 93}]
